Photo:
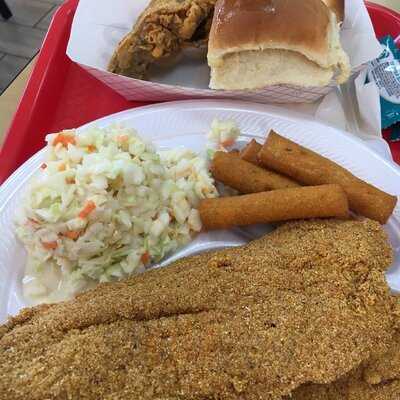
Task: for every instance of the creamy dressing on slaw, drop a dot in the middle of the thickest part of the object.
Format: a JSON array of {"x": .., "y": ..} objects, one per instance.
[{"x": 106, "y": 205}]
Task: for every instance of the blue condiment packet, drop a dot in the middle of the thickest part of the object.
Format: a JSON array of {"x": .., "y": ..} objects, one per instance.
[
  {"x": 385, "y": 72},
  {"x": 395, "y": 133}
]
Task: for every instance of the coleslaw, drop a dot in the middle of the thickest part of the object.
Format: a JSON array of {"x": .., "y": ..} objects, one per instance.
[
  {"x": 105, "y": 205},
  {"x": 222, "y": 136}
]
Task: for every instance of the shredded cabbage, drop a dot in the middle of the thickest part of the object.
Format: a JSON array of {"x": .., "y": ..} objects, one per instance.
[
  {"x": 105, "y": 205},
  {"x": 223, "y": 134}
]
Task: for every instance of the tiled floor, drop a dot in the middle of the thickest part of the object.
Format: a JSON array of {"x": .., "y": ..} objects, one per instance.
[{"x": 22, "y": 35}]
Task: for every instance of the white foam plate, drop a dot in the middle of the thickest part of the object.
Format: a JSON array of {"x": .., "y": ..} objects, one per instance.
[{"x": 185, "y": 123}]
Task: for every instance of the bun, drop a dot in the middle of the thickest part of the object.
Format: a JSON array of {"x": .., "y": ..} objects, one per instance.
[
  {"x": 256, "y": 43},
  {"x": 337, "y": 6}
]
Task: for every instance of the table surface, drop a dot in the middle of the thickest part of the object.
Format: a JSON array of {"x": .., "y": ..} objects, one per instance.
[{"x": 11, "y": 96}]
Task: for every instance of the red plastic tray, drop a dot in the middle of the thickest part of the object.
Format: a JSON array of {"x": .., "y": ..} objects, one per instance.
[{"x": 61, "y": 95}]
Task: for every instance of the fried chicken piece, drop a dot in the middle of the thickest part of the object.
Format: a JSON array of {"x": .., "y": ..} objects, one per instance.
[
  {"x": 376, "y": 379},
  {"x": 161, "y": 32},
  {"x": 307, "y": 303}
]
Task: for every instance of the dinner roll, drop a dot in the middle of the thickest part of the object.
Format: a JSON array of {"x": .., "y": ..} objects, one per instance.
[{"x": 257, "y": 43}]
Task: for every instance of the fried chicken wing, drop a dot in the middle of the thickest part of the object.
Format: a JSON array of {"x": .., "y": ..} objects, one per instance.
[
  {"x": 305, "y": 304},
  {"x": 161, "y": 32}
]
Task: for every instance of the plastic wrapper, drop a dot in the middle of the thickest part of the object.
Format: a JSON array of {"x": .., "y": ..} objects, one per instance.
[{"x": 385, "y": 73}]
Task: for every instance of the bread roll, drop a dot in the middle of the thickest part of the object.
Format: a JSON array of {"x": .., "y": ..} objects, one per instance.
[
  {"x": 256, "y": 43},
  {"x": 337, "y": 6}
]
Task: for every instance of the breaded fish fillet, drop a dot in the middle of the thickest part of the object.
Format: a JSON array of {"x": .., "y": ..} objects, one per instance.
[
  {"x": 377, "y": 379},
  {"x": 160, "y": 32},
  {"x": 307, "y": 303},
  {"x": 350, "y": 388}
]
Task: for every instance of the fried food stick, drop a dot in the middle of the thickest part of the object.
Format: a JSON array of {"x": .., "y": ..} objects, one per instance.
[
  {"x": 250, "y": 152},
  {"x": 277, "y": 205},
  {"x": 307, "y": 167},
  {"x": 246, "y": 177}
]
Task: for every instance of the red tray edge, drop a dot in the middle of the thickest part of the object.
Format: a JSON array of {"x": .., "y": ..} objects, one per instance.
[
  {"x": 389, "y": 11},
  {"x": 33, "y": 86}
]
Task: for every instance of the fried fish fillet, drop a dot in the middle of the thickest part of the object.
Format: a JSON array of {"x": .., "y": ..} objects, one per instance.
[
  {"x": 305, "y": 304},
  {"x": 376, "y": 379},
  {"x": 160, "y": 32},
  {"x": 352, "y": 387}
]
